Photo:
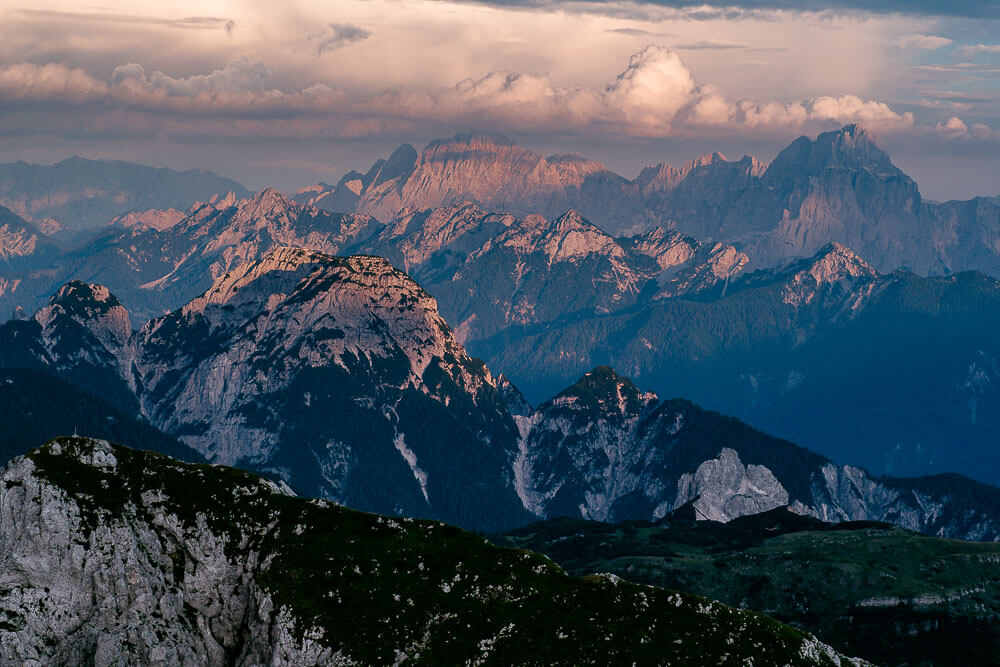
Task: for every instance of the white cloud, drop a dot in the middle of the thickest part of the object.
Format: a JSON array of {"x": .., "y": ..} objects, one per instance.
[
  {"x": 237, "y": 75},
  {"x": 926, "y": 42},
  {"x": 976, "y": 49},
  {"x": 656, "y": 95},
  {"x": 27, "y": 82}
]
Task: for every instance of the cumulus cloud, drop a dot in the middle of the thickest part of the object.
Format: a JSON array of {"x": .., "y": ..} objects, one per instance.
[
  {"x": 338, "y": 35},
  {"x": 655, "y": 95},
  {"x": 237, "y": 75},
  {"x": 654, "y": 86},
  {"x": 926, "y": 42},
  {"x": 53, "y": 81}
]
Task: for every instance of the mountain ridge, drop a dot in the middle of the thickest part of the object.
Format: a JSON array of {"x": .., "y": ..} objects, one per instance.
[
  {"x": 338, "y": 376},
  {"x": 839, "y": 187}
]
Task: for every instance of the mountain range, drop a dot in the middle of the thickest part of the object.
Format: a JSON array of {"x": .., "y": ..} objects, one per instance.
[
  {"x": 339, "y": 377},
  {"x": 838, "y": 188},
  {"x": 884, "y": 370},
  {"x": 79, "y": 194}
]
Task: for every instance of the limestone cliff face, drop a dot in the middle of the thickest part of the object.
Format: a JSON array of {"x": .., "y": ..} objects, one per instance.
[
  {"x": 336, "y": 374},
  {"x": 502, "y": 176},
  {"x": 837, "y": 188},
  {"x": 114, "y": 581}
]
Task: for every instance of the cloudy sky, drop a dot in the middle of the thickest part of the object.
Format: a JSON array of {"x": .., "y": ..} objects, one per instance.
[{"x": 294, "y": 92}]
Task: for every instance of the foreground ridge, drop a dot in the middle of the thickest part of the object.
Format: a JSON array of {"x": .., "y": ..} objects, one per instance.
[{"x": 116, "y": 556}]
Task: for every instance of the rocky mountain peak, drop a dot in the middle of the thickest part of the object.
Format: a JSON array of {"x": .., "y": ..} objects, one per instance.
[
  {"x": 850, "y": 148},
  {"x": 268, "y": 203},
  {"x": 702, "y": 161},
  {"x": 93, "y": 307},
  {"x": 835, "y": 262},
  {"x": 18, "y": 237},
  {"x": 568, "y": 237},
  {"x": 400, "y": 163},
  {"x": 658, "y": 177},
  {"x": 603, "y": 391},
  {"x": 285, "y": 265}
]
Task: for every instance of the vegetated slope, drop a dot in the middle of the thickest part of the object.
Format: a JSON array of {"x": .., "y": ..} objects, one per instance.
[
  {"x": 888, "y": 595},
  {"x": 148, "y": 560}
]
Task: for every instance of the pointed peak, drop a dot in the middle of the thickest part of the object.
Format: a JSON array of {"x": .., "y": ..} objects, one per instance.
[
  {"x": 835, "y": 262},
  {"x": 405, "y": 154},
  {"x": 573, "y": 219},
  {"x": 604, "y": 390},
  {"x": 76, "y": 293},
  {"x": 270, "y": 196},
  {"x": 267, "y": 203},
  {"x": 703, "y": 161},
  {"x": 92, "y": 306}
]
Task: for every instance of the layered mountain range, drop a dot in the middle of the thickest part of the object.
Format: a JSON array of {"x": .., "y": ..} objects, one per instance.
[
  {"x": 79, "y": 194},
  {"x": 791, "y": 349},
  {"x": 113, "y": 556},
  {"x": 890, "y": 371},
  {"x": 339, "y": 377},
  {"x": 840, "y": 187}
]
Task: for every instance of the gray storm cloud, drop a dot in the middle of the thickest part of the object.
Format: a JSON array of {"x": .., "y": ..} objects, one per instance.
[{"x": 337, "y": 36}]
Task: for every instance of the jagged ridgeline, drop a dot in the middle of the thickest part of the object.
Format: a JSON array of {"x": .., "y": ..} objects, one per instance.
[
  {"x": 338, "y": 376},
  {"x": 145, "y": 560},
  {"x": 841, "y": 351}
]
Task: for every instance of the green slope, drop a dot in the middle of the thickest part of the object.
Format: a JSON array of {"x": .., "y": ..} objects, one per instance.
[{"x": 888, "y": 595}]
